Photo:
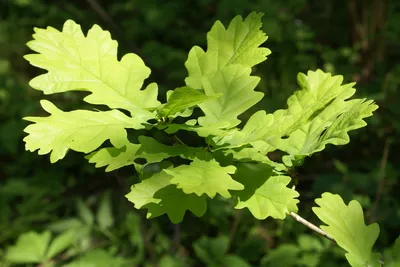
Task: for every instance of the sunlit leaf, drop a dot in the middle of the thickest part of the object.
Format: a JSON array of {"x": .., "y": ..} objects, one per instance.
[
  {"x": 204, "y": 177},
  {"x": 89, "y": 63},
  {"x": 225, "y": 68},
  {"x": 238, "y": 44},
  {"x": 317, "y": 115},
  {"x": 183, "y": 98},
  {"x": 159, "y": 197},
  {"x": 149, "y": 149},
  {"x": 345, "y": 223},
  {"x": 265, "y": 194},
  {"x": 79, "y": 130}
]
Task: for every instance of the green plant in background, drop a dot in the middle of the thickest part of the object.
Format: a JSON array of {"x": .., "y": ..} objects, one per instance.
[{"x": 228, "y": 160}]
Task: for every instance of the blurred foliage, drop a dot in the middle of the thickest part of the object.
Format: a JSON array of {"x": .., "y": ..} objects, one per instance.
[{"x": 73, "y": 214}]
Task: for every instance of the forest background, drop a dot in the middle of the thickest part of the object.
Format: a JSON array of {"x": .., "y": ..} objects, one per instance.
[{"x": 356, "y": 39}]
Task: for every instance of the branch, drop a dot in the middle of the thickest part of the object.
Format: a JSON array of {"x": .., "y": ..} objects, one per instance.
[
  {"x": 235, "y": 225},
  {"x": 382, "y": 174},
  {"x": 96, "y": 6},
  {"x": 311, "y": 226}
]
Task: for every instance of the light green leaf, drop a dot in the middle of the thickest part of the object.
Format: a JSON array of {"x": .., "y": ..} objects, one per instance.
[
  {"x": 154, "y": 151},
  {"x": 346, "y": 225},
  {"x": 265, "y": 193},
  {"x": 328, "y": 128},
  {"x": 237, "y": 86},
  {"x": 204, "y": 177},
  {"x": 258, "y": 125},
  {"x": 183, "y": 98},
  {"x": 143, "y": 193},
  {"x": 149, "y": 149},
  {"x": 216, "y": 129},
  {"x": 104, "y": 215},
  {"x": 239, "y": 44},
  {"x": 319, "y": 91},
  {"x": 317, "y": 115},
  {"x": 89, "y": 63},
  {"x": 84, "y": 212},
  {"x": 79, "y": 130},
  {"x": 114, "y": 158},
  {"x": 249, "y": 154},
  {"x": 61, "y": 242},
  {"x": 225, "y": 68},
  {"x": 160, "y": 197},
  {"x": 30, "y": 248}
]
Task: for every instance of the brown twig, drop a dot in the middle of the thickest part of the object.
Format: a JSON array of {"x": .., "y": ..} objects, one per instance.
[
  {"x": 96, "y": 6},
  {"x": 381, "y": 184},
  {"x": 176, "y": 240},
  {"x": 147, "y": 234},
  {"x": 311, "y": 226},
  {"x": 235, "y": 225}
]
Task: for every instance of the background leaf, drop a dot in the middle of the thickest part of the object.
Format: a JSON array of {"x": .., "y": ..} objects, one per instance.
[
  {"x": 30, "y": 248},
  {"x": 61, "y": 243},
  {"x": 104, "y": 216},
  {"x": 84, "y": 212}
]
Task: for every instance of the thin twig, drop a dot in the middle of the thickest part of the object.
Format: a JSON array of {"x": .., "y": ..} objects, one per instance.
[
  {"x": 311, "y": 226},
  {"x": 147, "y": 236},
  {"x": 176, "y": 238},
  {"x": 179, "y": 140},
  {"x": 96, "y": 6},
  {"x": 235, "y": 225},
  {"x": 382, "y": 174}
]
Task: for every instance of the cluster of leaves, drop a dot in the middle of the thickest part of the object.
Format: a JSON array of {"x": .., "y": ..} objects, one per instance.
[{"x": 234, "y": 162}]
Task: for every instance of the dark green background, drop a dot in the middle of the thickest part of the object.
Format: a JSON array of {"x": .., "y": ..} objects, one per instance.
[{"x": 357, "y": 39}]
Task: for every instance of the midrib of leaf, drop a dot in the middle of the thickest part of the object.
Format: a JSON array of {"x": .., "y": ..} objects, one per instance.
[
  {"x": 230, "y": 96},
  {"x": 319, "y": 104},
  {"x": 274, "y": 201},
  {"x": 65, "y": 139},
  {"x": 226, "y": 99},
  {"x": 237, "y": 49},
  {"x": 84, "y": 126},
  {"x": 236, "y": 53},
  {"x": 321, "y": 137}
]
